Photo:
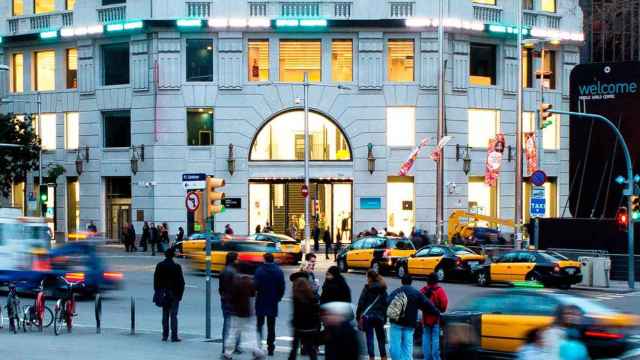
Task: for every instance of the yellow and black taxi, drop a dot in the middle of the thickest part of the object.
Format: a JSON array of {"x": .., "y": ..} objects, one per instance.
[
  {"x": 288, "y": 245},
  {"x": 507, "y": 317},
  {"x": 548, "y": 268},
  {"x": 379, "y": 253},
  {"x": 448, "y": 262}
]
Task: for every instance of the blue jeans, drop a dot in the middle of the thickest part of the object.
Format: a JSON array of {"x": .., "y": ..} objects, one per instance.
[
  {"x": 375, "y": 327},
  {"x": 401, "y": 342},
  {"x": 431, "y": 342}
]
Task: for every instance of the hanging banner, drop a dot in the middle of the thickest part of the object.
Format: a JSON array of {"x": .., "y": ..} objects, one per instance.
[
  {"x": 408, "y": 164},
  {"x": 531, "y": 152},
  {"x": 437, "y": 151},
  {"x": 494, "y": 160}
]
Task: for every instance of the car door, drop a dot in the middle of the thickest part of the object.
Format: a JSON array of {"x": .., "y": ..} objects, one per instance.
[
  {"x": 352, "y": 253},
  {"x": 500, "y": 269},
  {"x": 433, "y": 259},
  {"x": 417, "y": 264},
  {"x": 401, "y": 248},
  {"x": 373, "y": 248},
  {"x": 523, "y": 264}
]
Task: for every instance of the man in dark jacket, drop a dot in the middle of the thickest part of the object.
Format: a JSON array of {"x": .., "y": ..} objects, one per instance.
[
  {"x": 342, "y": 341},
  {"x": 269, "y": 283},
  {"x": 226, "y": 292},
  {"x": 328, "y": 242},
  {"x": 168, "y": 279},
  {"x": 402, "y": 328},
  {"x": 154, "y": 238},
  {"x": 242, "y": 326}
]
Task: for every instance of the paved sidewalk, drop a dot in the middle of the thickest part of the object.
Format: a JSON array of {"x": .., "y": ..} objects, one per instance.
[{"x": 619, "y": 287}]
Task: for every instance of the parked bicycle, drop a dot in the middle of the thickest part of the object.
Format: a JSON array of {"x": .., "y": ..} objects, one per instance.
[
  {"x": 65, "y": 309},
  {"x": 38, "y": 315},
  {"x": 13, "y": 308}
]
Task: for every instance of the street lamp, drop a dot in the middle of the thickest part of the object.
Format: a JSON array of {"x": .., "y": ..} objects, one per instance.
[
  {"x": 79, "y": 159},
  {"x": 231, "y": 161},
  {"x": 137, "y": 152},
  {"x": 371, "y": 160},
  {"x": 466, "y": 160}
]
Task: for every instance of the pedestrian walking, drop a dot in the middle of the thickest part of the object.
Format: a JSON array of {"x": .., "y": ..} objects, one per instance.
[
  {"x": 228, "y": 230},
  {"x": 259, "y": 229},
  {"x": 124, "y": 237},
  {"x": 402, "y": 312},
  {"x": 243, "y": 330},
  {"x": 533, "y": 348},
  {"x": 180, "y": 234},
  {"x": 431, "y": 323},
  {"x": 338, "y": 245},
  {"x": 335, "y": 287},
  {"x": 160, "y": 238},
  {"x": 154, "y": 239},
  {"x": 164, "y": 234},
  {"x": 340, "y": 338},
  {"x": 306, "y": 319},
  {"x": 307, "y": 272},
  {"x": 328, "y": 242},
  {"x": 316, "y": 239},
  {"x": 561, "y": 339},
  {"x": 132, "y": 238},
  {"x": 168, "y": 283},
  {"x": 269, "y": 284},
  {"x": 225, "y": 290},
  {"x": 144, "y": 239},
  {"x": 371, "y": 313}
]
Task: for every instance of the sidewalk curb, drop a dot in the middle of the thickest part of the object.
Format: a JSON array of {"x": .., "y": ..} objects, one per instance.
[{"x": 605, "y": 290}]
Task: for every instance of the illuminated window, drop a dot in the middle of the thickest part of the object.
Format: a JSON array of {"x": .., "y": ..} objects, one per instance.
[
  {"x": 283, "y": 139},
  {"x": 550, "y": 134},
  {"x": 549, "y": 69},
  {"x": 200, "y": 127},
  {"x": 45, "y": 70},
  {"x": 400, "y": 204},
  {"x": 482, "y": 64},
  {"x": 483, "y": 199},
  {"x": 527, "y": 4},
  {"x": 550, "y": 196},
  {"x": 298, "y": 57},
  {"x": 17, "y": 73},
  {"x": 483, "y": 125},
  {"x": 70, "y": 4},
  {"x": 18, "y": 8},
  {"x": 48, "y": 129},
  {"x": 400, "y": 56},
  {"x": 258, "y": 60},
  {"x": 527, "y": 68},
  {"x": 72, "y": 68},
  {"x": 401, "y": 126},
  {"x": 342, "y": 60},
  {"x": 548, "y": 5},
  {"x": 115, "y": 64},
  {"x": 44, "y": 6},
  {"x": 485, "y": 2},
  {"x": 199, "y": 60},
  {"x": 116, "y": 127},
  {"x": 71, "y": 130}
]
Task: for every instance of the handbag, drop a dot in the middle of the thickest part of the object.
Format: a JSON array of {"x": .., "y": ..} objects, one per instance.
[
  {"x": 162, "y": 297},
  {"x": 363, "y": 317}
]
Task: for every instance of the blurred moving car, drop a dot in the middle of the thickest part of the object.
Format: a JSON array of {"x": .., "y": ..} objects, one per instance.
[
  {"x": 446, "y": 261},
  {"x": 508, "y": 316},
  {"x": 288, "y": 245},
  {"x": 548, "y": 268},
  {"x": 379, "y": 253}
]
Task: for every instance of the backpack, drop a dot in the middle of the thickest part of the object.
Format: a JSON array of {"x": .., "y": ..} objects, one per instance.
[{"x": 397, "y": 306}]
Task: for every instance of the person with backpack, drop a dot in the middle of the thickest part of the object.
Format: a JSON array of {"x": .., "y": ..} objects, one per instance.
[
  {"x": 404, "y": 303},
  {"x": 431, "y": 323},
  {"x": 371, "y": 313}
]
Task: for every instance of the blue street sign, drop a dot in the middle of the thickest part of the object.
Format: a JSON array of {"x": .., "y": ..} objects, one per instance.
[
  {"x": 538, "y": 178},
  {"x": 537, "y": 203},
  {"x": 370, "y": 203},
  {"x": 194, "y": 177}
]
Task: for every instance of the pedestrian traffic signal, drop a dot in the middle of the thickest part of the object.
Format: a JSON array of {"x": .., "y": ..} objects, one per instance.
[
  {"x": 545, "y": 115},
  {"x": 635, "y": 208},
  {"x": 213, "y": 196},
  {"x": 622, "y": 218}
]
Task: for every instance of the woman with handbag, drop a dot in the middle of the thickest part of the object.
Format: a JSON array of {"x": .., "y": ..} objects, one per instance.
[{"x": 372, "y": 313}]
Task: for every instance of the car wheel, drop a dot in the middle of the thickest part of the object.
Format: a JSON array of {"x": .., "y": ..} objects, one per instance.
[
  {"x": 534, "y": 277},
  {"x": 402, "y": 271},
  {"x": 440, "y": 274},
  {"x": 483, "y": 278},
  {"x": 342, "y": 266}
]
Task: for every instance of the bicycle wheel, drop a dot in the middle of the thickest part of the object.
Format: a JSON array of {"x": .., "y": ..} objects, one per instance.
[
  {"x": 47, "y": 318},
  {"x": 58, "y": 320}
]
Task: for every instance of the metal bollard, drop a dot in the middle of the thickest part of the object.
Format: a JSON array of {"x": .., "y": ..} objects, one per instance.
[
  {"x": 133, "y": 316},
  {"x": 98, "y": 312}
]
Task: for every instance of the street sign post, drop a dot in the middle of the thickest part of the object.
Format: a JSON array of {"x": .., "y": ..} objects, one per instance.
[
  {"x": 537, "y": 205},
  {"x": 538, "y": 178},
  {"x": 192, "y": 201},
  {"x": 194, "y": 181}
]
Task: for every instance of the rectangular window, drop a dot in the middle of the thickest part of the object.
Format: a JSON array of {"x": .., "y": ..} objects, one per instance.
[
  {"x": 200, "y": 127},
  {"x": 70, "y": 4},
  {"x": 199, "y": 60},
  {"x": 113, "y": 2},
  {"x": 527, "y": 68},
  {"x": 550, "y": 134},
  {"x": 483, "y": 125},
  {"x": 45, "y": 70},
  {"x": 298, "y": 57},
  {"x": 548, "y": 5},
  {"x": 527, "y": 4},
  {"x": 400, "y": 204},
  {"x": 73, "y": 205},
  {"x": 71, "y": 130},
  {"x": 117, "y": 129},
  {"x": 401, "y": 126},
  {"x": 482, "y": 198},
  {"x": 482, "y": 64},
  {"x": 342, "y": 60},
  {"x": 550, "y": 196},
  {"x": 549, "y": 69},
  {"x": 44, "y": 6},
  {"x": 72, "y": 68},
  {"x": 18, "y": 8},
  {"x": 258, "y": 60},
  {"x": 17, "y": 73},
  {"x": 115, "y": 64},
  {"x": 400, "y": 60},
  {"x": 48, "y": 129},
  {"x": 485, "y": 2}
]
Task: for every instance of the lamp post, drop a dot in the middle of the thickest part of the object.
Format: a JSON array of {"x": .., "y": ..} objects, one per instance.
[
  {"x": 518, "y": 167},
  {"x": 440, "y": 129}
]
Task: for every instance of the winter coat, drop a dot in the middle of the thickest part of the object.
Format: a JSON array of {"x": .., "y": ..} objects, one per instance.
[
  {"x": 269, "y": 284},
  {"x": 168, "y": 275},
  {"x": 415, "y": 301},
  {"x": 225, "y": 288},
  {"x": 438, "y": 298},
  {"x": 335, "y": 290},
  {"x": 154, "y": 235},
  {"x": 242, "y": 296},
  {"x": 342, "y": 342},
  {"x": 369, "y": 294},
  {"x": 327, "y": 238},
  {"x": 306, "y": 315}
]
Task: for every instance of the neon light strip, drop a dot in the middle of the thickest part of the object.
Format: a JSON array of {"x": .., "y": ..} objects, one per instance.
[
  {"x": 49, "y": 35},
  {"x": 189, "y": 22}
]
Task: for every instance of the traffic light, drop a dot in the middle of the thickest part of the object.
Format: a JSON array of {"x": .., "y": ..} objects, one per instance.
[
  {"x": 545, "y": 115},
  {"x": 635, "y": 208},
  {"x": 43, "y": 194},
  {"x": 213, "y": 196},
  {"x": 622, "y": 218}
]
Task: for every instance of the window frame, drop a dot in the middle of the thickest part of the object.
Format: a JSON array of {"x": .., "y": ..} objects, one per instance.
[
  {"x": 551, "y": 55},
  {"x": 411, "y": 132},
  {"x": 497, "y": 125},
  {"x": 39, "y": 127},
  {"x": 45, "y": 12},
  {"x": 387, "y": 57},
  {"x": 495, "y": 62},
  {"x": 209, "y": 110},
  {"x": 13, "y": 8},
  {"x": 186, "y": 59},
  {"x": 103, "y": 68},
  {"x": 530, "y": 119},
  {"x": 103, "y": 114},
  {"x": 485, "y": 2},
  {"x": 67, "y": 70},
  {"x": 66, "y": 5},
  {"x": 319, "y": 39},
  {"x": 34, "y": 65},
  {"x": 332, "y": 62},
  {"x": 66, "y": 131},
  {"x": 14, "y": 73},
  {"x": 113, "y": 2},
  {"x": 494, "y": 196},
  {"x": 260, "y": 38},
  {"x": 555, "y": 7}
]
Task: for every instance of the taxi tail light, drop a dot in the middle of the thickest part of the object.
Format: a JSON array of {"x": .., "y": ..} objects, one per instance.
[
  {"x": 250, "y": 258},
  {"x": 386, "y": 253},
  {"x": 556, "y": 268},
  {"x": 113, "y": 276},
  {"x": 458, "y": 261},
  {"x": 603, "y": 334},
  {"x": 74, "y": 277}
]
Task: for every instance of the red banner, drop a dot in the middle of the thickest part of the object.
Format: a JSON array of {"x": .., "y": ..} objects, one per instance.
[
  {"x": 531, "y": 152},
  {"x": 494, "y": 160}
]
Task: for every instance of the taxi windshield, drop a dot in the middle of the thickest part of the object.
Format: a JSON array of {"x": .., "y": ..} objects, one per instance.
[{"x": 551, "y": 256}]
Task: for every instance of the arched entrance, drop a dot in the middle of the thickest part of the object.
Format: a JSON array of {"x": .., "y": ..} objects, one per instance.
[{"x": 277, "y": 201}]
